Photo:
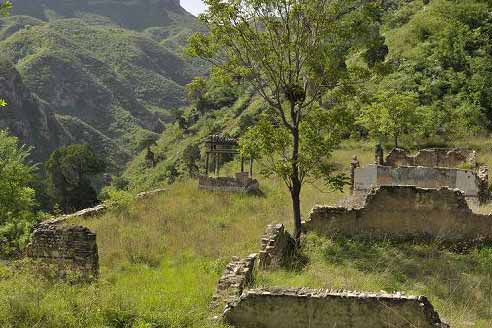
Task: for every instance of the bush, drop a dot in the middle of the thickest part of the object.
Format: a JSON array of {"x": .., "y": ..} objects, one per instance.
[{"x": 16, "y": 198}]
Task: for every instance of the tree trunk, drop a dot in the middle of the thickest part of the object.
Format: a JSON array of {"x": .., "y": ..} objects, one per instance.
[
  {"x": 295, "y": 190},
  {"x": 396, "y": 141},
  {"x": 296, "y": 207}
]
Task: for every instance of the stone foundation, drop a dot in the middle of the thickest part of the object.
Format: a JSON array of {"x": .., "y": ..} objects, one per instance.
[
  {"x": 404, "y": 212},
  {"x": 300, "y": 308},
  {"x": 70, "y": 250},
  {"x": 241, "y": 183},
  {"x": 277, "y": 247}
]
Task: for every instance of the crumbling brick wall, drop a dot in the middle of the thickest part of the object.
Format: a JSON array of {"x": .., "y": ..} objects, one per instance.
[
  {"x": 404, "y": 212},
  {"x": 432, "y": 157},
  {"x": 237, "y": 276},
  {"x": 300, "y": 308},
  {"x": 277, "y": 247},
  {"x": 71, "y": 250}
]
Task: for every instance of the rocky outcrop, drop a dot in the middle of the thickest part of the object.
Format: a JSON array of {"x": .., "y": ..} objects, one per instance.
[
  {"x": 300, "y": 308},
  {"x": 25, "y": 117}
]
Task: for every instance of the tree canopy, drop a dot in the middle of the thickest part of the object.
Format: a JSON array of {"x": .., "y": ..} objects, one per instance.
[
  {"x": 16, "y": 197},
  {"x": 70, "y": 170}
]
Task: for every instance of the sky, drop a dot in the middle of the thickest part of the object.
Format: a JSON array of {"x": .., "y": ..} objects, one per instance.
[{"x": 193, "y": 6}]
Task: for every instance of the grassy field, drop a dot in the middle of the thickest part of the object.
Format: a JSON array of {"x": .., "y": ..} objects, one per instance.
[{"x": 161, "y": 258}]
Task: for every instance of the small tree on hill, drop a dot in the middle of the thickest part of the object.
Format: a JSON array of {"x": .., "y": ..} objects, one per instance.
[
  {"x": 16, "y": 197},
  {"x": 69, "y": 171},
  {"x": 191, "y": 155},
  {"x": 291, "y": 52},
  {"x": 392, "y": 114}
]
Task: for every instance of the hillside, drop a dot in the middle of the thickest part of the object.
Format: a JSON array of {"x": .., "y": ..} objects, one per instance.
[
  {"x": 438, "y": 51},
  {"x": 161, "y": 258},
  {"x": 104, "y": 74}
]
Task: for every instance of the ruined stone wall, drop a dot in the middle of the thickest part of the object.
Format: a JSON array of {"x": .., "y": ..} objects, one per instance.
[
  {"x": 404, "y": 212},
  {"x": 277, "y": 247},
  {"x": 237, "y": 276},
  {"x": 67, "y": 249},
  {"x": 300, "y": 308},
  {"x": 432, "y": 157},
  {"x": 372, "y": 176},
  {"x": 240, "y": 183}
]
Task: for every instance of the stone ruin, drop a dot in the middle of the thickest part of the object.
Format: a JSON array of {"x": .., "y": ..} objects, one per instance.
[
  {"x": 69, "y": 250},
  {"x": 429, "y": 168},
  {"x": 241, "y": 183},
  {"x": 277, "y": 247},
  {"x": 243, "y": 307},
  {"x": 404, "y": 212},
  {"x": 433, "y": 157},
  {"x": 300, "y": 308},
  {"x": 218, "y": 148},
  {"x": 472, "y": 185},
  {"x": 237, "y": 276}
]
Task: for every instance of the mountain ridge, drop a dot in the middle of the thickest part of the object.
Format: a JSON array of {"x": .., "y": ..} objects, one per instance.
[{"x": 102, "y": 78}]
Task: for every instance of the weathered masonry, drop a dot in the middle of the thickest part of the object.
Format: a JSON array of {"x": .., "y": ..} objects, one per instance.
[
  {"x": 432, "y": 157},
  {"x": 241, "y": 183},
  {"x": 300, "y": 308},
  {"x": 404, "y": 212},
  {"x": 277, "y": 247},
  {"x": 237, "y": 276},
  {"x": 70, "y": 250},
  {"x": 372, "y": 176}
]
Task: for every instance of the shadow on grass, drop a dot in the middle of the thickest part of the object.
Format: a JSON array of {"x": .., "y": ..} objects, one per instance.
[{"x": 458, "y": 276}]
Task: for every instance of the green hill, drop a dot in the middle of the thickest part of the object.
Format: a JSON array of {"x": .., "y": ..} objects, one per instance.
[{"x": 105, "y": 75}]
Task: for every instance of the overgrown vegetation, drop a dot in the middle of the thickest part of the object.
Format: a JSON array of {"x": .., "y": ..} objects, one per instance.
[
  {"x": 424, "y": 80},
  {"x": 70, "y": 170},
  {"x": 17, "y": 199}
]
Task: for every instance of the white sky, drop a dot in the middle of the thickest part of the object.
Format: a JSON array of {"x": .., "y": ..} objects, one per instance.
[{"x": 193, "y": 6}]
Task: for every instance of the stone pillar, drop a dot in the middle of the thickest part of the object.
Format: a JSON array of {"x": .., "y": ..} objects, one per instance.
[{"x": 353, "y": 165}]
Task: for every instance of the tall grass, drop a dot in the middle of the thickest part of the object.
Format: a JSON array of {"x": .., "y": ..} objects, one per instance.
[
  {"x": 161, "y": 258},
  {"x": 458, "y": 285}
]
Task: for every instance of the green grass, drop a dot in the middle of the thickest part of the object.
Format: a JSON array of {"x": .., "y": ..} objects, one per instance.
[
  {"x": 161, "y": 258},
  {"x": 458, "y": 285}
]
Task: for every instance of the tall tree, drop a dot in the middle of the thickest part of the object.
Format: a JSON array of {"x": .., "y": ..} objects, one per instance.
[
  {"x": 291, "y": 52},
  {"x": 69, "y": 171},
  {"x": 392, "y": 114},
  {"x": 16, "y": 197}
]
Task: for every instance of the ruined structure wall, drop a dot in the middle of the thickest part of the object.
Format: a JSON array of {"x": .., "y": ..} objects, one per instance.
[
  {"x": 300, "y": 308},
  {"x": 433, "y": 157},
  {"x": 404, "y": 213},
  {"x": 228, "y": 184},
  {"x": 425, "y": 177},
  {"x": 68, "y": 249},
  {"x": 237, "y": 276},
  {"x": 277, "y": 247}
]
